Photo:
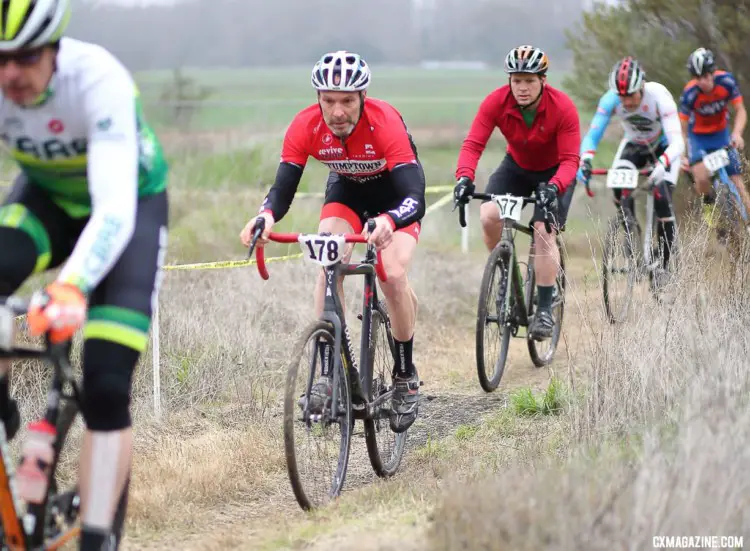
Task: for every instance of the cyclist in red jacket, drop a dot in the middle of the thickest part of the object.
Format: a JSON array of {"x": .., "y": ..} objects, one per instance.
[
  {"x": 541, "y": 126},
  {"x": 374, "y": 172}
]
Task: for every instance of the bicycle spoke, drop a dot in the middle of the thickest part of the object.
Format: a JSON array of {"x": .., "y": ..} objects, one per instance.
[{"x": 318, "y": 448}]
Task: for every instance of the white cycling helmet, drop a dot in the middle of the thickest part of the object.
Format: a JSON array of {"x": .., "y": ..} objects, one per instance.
[
  {"x": 341, "y": 71},
  {"x": 701, "y": 62},
  {"x": 31, "y": 24}
]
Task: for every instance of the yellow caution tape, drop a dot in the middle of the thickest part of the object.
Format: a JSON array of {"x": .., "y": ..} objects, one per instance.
[
  {"x": 228, "y": 263},
  {"x": 439, "y": 203}
]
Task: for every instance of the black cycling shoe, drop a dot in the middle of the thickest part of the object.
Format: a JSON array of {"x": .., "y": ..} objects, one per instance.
[
  {"x": 404, "y": 402},
  {"x": 543, "y": 324}
]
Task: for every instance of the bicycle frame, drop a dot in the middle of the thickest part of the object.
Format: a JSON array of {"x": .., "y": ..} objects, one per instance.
[
  {"x": 650, "y": 213},
  {"x": 721, "y": 177},
  {"x": 508, "y": 252},
  {"x": 333, "y": 313},
  {"x": 28, "y": 531}
]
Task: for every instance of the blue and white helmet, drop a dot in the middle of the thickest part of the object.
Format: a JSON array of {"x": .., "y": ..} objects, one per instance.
[{"x": 341, "y": 71}]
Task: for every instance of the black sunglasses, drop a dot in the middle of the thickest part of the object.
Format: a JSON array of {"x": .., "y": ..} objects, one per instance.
[{"x": 24, "y": 58}]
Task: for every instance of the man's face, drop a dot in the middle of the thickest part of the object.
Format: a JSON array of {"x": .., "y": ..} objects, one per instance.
[
  {"x": 25, "y": 74},
  {"x": 341, "y": 111},
  {"x": 526, "y": 87},
  {"x": 631, "y": 102},
  {"x": 706, "y": 83}
]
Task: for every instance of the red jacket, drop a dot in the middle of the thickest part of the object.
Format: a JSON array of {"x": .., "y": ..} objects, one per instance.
[{"x": 554, "y": 137}]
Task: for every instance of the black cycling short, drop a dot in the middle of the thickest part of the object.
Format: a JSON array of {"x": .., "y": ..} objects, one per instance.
[
  {"x": 129, "y": 286},
  {"x": 511, "y": 178},
  {"x": 37, "y": 235},
  {"x": 355, "y": 202}
]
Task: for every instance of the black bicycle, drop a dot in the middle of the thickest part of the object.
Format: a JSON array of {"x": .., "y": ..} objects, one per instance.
[
  {"x": 51, "y": 524},
  {"x": 365, "y": 396},
  {"x": 507, "y": 300}
]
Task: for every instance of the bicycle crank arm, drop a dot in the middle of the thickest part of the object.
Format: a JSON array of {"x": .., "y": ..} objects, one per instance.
[{"x": 379, "y": 401}]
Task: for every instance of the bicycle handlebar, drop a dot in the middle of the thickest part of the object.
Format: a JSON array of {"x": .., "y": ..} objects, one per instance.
[
  {"x": 489, "y": 197},
  {"x": 294, "y": 238},
  {"x": 604, "y": 171},
  {"x": 639, "y": 189}
]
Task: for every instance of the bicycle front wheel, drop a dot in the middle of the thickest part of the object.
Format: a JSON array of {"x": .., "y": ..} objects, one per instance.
[
  {"x": 494, "y": 329},
  {"x": 620, "y": 265},
  {"x": 316, "y": 444},
  {"x": 385, "y": 447}
]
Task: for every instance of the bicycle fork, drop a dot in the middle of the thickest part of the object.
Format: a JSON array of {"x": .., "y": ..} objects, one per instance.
[{"x": 515, "y": 285}]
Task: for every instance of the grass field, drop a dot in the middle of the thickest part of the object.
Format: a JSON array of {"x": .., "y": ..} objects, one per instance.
[
  {"x": 266, "y": 100},
  {"x": 634, "y": 431}
]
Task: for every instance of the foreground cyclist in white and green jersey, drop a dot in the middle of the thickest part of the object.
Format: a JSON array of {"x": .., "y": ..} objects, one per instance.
[{"x": 90, "y": 197}]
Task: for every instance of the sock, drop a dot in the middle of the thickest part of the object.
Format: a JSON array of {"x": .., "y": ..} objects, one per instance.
[
  {"x": 545, "y": 295},
  {"x": 93, "y": 539},
  {"x": 666, "y": 239},
  {"x": 4, "y": 396},
  {"x": 326, "y": 352},
  {"x": 404, "y": 365}
]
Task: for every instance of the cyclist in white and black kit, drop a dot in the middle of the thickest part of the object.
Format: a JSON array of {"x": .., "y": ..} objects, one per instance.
[{"x": 653, "y": 136}]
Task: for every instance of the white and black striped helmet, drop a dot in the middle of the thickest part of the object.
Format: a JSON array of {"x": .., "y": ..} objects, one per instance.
[
  {"x": 626, "y": 77},
  {"x": 701, "y": 62},
  {"x": 526, "y": 59},
  {"x": 341, "y": 71}
]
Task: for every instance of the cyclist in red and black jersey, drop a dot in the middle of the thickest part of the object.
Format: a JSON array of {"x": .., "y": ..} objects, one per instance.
[
  {"x": 374, "y": 172},
  {"x": 541, "y": 126}
]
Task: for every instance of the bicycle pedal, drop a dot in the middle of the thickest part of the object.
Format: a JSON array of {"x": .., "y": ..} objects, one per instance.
[{"x": 359, "y": 316}]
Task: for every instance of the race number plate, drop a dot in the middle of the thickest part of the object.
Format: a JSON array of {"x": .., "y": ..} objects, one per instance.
[
  {"x": 510, "y": 206},
  {"x": 325, "y": 250},
  {"x": 716, "y": 160},
  {"x": 7, "y": 324},
  {"x": 622, "y": 178}
]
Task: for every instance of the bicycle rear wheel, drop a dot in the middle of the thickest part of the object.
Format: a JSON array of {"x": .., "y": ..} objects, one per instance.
[
  {"x": 316, "y": 467},
  {"x": 620, "y": 257},
  {"x": 538, "y": 357},
  {"x": 385, "y": 447},
  {"x": 494, "y": 324}
]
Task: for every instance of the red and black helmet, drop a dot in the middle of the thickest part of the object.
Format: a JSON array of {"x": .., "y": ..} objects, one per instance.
[{"x": 626, "y": 77}]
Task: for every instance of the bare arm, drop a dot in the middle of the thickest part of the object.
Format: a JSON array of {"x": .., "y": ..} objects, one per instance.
[
  {"x": 740, "y": 118},
  {"x": 685, "y": 158}
]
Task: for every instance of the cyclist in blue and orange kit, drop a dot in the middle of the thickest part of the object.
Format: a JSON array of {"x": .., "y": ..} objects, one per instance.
[{"x": 704, "y": 116}]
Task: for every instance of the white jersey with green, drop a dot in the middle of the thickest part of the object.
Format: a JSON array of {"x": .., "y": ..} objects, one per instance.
[{"x": 86, "y": 145}]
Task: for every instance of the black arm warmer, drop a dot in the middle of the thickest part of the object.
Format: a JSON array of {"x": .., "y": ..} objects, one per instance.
[
  {"x": 281, "y": 194},
  {"x": 409, "y": 181}
]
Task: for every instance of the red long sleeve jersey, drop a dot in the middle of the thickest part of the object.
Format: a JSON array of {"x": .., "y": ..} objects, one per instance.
[{"x": 553, "y": 138}]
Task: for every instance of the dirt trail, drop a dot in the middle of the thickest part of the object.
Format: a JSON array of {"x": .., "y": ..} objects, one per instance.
[{"x": 453, "y": 398}]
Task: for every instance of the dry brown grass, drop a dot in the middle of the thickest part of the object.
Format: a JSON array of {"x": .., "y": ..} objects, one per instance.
[
  {"x": 655, "y": 439},
  {"x": 624, "y": 460}
]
